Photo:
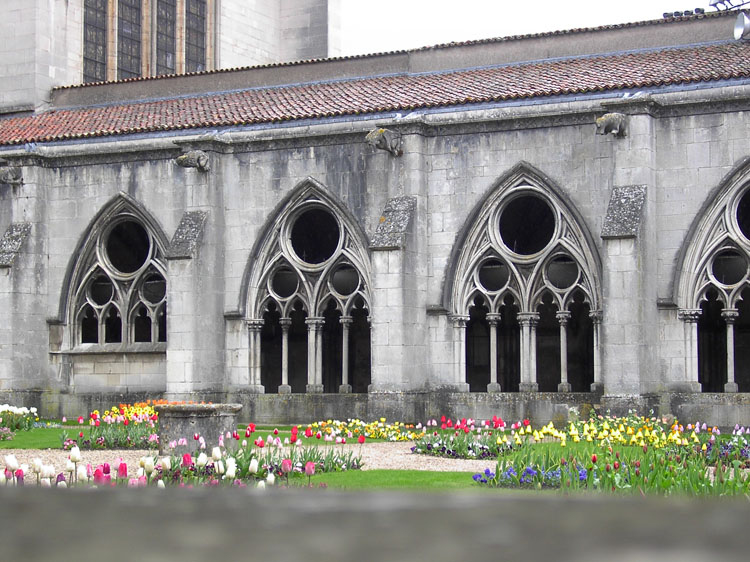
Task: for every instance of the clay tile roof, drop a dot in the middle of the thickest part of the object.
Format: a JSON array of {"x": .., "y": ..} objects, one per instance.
[{"x": 693, "y": 64}]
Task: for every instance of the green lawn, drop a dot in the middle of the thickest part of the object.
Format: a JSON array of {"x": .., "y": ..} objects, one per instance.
[
  {"x": 41, "y": 438},
  {"x": 415, "y": 480}
]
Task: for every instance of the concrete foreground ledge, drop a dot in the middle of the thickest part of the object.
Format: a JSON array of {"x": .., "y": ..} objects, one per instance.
[{"x": 327, "y": 525}]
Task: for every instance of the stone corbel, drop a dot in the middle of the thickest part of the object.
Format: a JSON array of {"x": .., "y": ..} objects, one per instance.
[
  {"x": 194, "y": 159},
  {"x": 385, "y": 139},
  {"x": 10, "y": 175},
  {"x": 615, "y": 124}
]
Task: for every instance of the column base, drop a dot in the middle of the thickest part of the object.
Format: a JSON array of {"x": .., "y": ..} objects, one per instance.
[
  {"x": 253, "y": 389},
  {"x": 528, "y": 387},
  {"x": 564, "y": 387},
  {"x": 345, "y": 389},
  {"x": 597, "y": 387},
  {"x": 731, "y": 387},
  {"x": 685, "y": 387},
  {"x": 285, "y": 389},
  {"x": 493, "y": 387},
  {"x": 314, "y": 389}
]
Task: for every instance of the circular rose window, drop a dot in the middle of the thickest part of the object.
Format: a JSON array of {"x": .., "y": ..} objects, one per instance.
[
  {"x": 527, "y": 225},
  {"x": 315, "y": 236}
]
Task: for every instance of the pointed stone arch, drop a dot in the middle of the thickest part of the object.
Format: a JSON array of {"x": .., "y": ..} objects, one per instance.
[
  {"x": 80, "y": 262},
  {"x": 711, "y": 287},
  {"x": 331, "y": 276},
  {"x": 497, "y": 256}
]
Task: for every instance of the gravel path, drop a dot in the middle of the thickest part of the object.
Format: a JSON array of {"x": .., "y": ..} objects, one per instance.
[{"x": 397, "y": 456}]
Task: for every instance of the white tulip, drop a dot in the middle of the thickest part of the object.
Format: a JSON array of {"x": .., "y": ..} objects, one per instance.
[
  {"x": 220, "y": 467},
  {"x": 166, "y": 463},
  {"x": 11, "y": 462},
  {"x": 148, "y": 465},
  {"x": 75, "y": 454},
  {"x": 270, "y": 479},
  {"x": 62, "y": 484},
  {"x": 216, "y": 453},
  {"x": 231, "y": 471},
  {"x": 36, "y": 465},
  {"x": 48, "y": 471},
  {"x": 81, "y": 473},
  {"x": 160, "y": 484},
  {"x": 253, "y": 468},
  {"x": 45, "y": 483},
  {"x": 201, "y": 461},
  {"x": 261, "y": 485}
]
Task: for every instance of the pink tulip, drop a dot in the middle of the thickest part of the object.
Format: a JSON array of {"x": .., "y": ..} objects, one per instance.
[
  {"x": 122, "y": 470},
  {"x": 310, "y": 468},
  {"x": 286, "y": 466}
]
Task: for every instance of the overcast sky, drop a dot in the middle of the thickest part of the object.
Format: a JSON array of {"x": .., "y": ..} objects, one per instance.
[{"x": 370, "y": 26}]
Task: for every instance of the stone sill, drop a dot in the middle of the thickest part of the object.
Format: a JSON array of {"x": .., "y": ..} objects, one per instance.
[{"x": 115, "y": 348}]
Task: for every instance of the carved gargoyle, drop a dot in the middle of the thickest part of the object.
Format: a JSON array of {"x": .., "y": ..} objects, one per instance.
[
  {"x": 614, "y": 123},
  {"x": 385, "y": 139},
  {"x": 11, "y": 175},
  {"x": 194, "y": 159}
]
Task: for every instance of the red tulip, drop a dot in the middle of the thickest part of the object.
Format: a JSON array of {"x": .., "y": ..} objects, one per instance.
[
  {"x": 122, "y": 470},
  {"x": 259, "y": 442},
  {"x": 187, "y": 460},
  {"x": 196, "y": 436},
  {"x": 361, "y": 439},
  {"x": 593, "y": 457},
  {"x": 308, "y": 432}
]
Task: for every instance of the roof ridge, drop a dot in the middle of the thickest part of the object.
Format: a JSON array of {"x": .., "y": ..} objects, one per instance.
[{"x": 438, "y": 46}]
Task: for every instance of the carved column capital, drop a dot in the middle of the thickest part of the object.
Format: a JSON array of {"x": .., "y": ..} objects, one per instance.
[
  {"x": 459, "y": 320},
  {"x": 563, "y": 316},
  {"x": 285, "y": 323},
  {"x": 346, "y": 320},
  {"x": 315, "y": 322},
  {"x": 596, "y": 316},
  {"x": 730, "y": 315},
  {"x": 254, "y": 324},
  {"x": 689, "y": 315},
  {"x": 528, "y": 318},
  {"x": 494, "y": 318}
]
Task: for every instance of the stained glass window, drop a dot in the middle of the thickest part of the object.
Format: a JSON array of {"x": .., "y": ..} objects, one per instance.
[{"x": 94, "y": 40}]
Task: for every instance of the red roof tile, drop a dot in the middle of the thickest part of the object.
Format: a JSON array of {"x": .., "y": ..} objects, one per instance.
[{"x": 388, "y": 93}]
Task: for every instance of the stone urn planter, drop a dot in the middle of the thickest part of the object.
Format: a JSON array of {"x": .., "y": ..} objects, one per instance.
[{"x": 177, "y": 421}]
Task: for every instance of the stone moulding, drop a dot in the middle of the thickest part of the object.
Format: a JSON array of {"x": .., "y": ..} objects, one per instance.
[
  {"x": 187, "y": 236},
  {"x": 394, "y": 224},
  {"x": 625, "y": 212},
  {"x": 11, "y": 242}
]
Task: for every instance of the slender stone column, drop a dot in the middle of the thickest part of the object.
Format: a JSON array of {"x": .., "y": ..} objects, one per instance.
[
  {"x": 563, "y": 317},
  {"x": 345, "y": 387},
  {"x": 284, "y": 387},
  {"x": 314, "y": 355},
  {"x": 690, "y": 317},
  {"x": 459, "y": 347},
  {"x": 528, "y": 322},
  {"x": 730, "y": 316},
  {"x": 493, "y": 318},
  {"x": 596, "y": 320},
  {"x": 254, "y": 327}
]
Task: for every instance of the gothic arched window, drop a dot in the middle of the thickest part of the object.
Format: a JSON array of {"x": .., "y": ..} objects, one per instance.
[
  {"x": 525, "y": 294},
  {"x": 121, "y": 289}
]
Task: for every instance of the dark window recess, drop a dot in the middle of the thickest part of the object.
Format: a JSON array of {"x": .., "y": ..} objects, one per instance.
[
  {"x": 315, "y": 236},
  {"x": 101, "y": 290},
  {"x": 284, "y": 283},
  {"x": 166, "y": 16},
  {"x": 162, "y": 318},
  {"x": 562, "y": 272},
  {"x": 128, "y": 39},
  {"x": 743, "y": 214},
  {"x": 195, "y": 36},
  {"x": 493, "y": 275},
  {"x": 527, "y": 225},
  {"x": 142, "y": 325},
  {"x": 94, "y": 40},
  {"x": 729, "y": 267},
  {"x": 345, "y": 280},
  {"x": 89, "y": 326},
  {"x": 128, "y": 246},
  {"x": 113, "y": 326},
  {"x": 154, "y": 288}
]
